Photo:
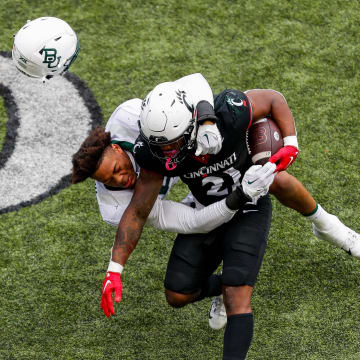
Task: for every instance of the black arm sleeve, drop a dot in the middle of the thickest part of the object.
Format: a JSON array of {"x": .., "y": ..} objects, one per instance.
[{"x": 205, "y": 111}]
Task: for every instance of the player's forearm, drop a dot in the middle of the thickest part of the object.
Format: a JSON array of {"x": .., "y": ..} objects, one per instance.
[
  {"x": 127, "y": 237},
  {"x": 132, "y": 222},
  {"x": 282, "y": 115},
  {"x": 209, "y": 218},
  {"x": 176, "y": 217},
  {"x": 267, "y": 102}
]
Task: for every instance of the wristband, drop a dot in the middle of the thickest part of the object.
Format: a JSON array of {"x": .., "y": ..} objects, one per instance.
[
  {"x": 115, "y": 267},
  {"x": 237, "y": 199},
  {"x": 291, "y": 141}
]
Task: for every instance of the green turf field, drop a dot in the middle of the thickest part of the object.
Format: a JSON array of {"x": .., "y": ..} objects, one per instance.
[{"x": 53, "y": 255}]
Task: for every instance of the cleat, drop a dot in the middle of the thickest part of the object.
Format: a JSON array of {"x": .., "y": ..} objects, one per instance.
[
  {"x": 217, "y": 314},
  {"x": 341, "y": 236}
]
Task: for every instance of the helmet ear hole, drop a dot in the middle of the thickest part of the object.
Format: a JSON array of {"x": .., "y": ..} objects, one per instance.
[{"x": 45, "y": 47}]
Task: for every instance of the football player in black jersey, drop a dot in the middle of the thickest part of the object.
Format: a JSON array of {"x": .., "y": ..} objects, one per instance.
[{"x": 166, "y": 146}]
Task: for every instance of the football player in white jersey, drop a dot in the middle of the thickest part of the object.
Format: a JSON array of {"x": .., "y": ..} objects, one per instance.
[
  {"x": 114, "y": 188},
  {"x": 113, "y": 199}
]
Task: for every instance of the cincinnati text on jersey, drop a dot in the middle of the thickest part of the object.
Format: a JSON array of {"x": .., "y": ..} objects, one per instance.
[{"x": 207, "y": 170}]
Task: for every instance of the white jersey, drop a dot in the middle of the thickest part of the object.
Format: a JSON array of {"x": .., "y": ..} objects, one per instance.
[{"x": 165, "y": 214}]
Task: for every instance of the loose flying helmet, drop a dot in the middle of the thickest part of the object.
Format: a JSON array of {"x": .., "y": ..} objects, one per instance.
[{"x": 45, "y": 47}]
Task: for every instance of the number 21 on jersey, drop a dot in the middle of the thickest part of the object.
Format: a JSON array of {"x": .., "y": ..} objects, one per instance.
[{"x": 224, "y": 183}]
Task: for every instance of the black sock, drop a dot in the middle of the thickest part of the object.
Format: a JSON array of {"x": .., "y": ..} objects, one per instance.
[
  {"x": 238, "y": 336},
  {"x": 213, "y": 287}
]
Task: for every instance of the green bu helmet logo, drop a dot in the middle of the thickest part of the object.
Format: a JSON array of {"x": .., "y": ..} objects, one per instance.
[{"x": 50, "y": 57}]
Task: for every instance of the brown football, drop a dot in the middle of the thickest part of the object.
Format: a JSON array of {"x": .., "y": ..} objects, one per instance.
[{"x": 264, "y": 139}]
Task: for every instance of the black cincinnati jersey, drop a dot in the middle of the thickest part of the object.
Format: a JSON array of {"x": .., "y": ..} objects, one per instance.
[{"x": 212, "y": 177}]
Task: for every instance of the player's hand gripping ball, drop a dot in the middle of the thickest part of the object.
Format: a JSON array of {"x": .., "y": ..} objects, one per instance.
[
  {"x": 264, "y": 139},
  {"x": 284, "y": 157}
]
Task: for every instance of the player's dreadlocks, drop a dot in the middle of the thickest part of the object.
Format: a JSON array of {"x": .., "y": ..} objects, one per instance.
[{"x": 88, "y": 158}]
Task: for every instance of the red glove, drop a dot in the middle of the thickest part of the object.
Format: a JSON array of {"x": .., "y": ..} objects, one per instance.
[
  {"x": 284, "y": 157},
  {"x": 111, "y": 283}
]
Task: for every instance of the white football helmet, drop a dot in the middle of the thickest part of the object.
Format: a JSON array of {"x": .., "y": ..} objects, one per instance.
[
  {"x": 167, "y": 122},
  {"x": 45, "y": 47}
]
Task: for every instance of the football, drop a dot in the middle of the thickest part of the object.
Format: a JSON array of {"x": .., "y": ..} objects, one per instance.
[{"x": 264, "y": 139}]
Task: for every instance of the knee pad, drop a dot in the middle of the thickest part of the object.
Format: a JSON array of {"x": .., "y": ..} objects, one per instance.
[
  {"x": 235, "y": 276},
  {"x": 178, "y": 282}
]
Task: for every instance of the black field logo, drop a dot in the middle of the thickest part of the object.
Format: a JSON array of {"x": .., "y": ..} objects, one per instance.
[{"x": 46, "y": 125}]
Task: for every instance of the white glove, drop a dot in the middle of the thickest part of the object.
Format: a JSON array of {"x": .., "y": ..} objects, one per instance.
[
  {"x": 209, "y": 140},
  {"x": 257, "y": 180}
]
